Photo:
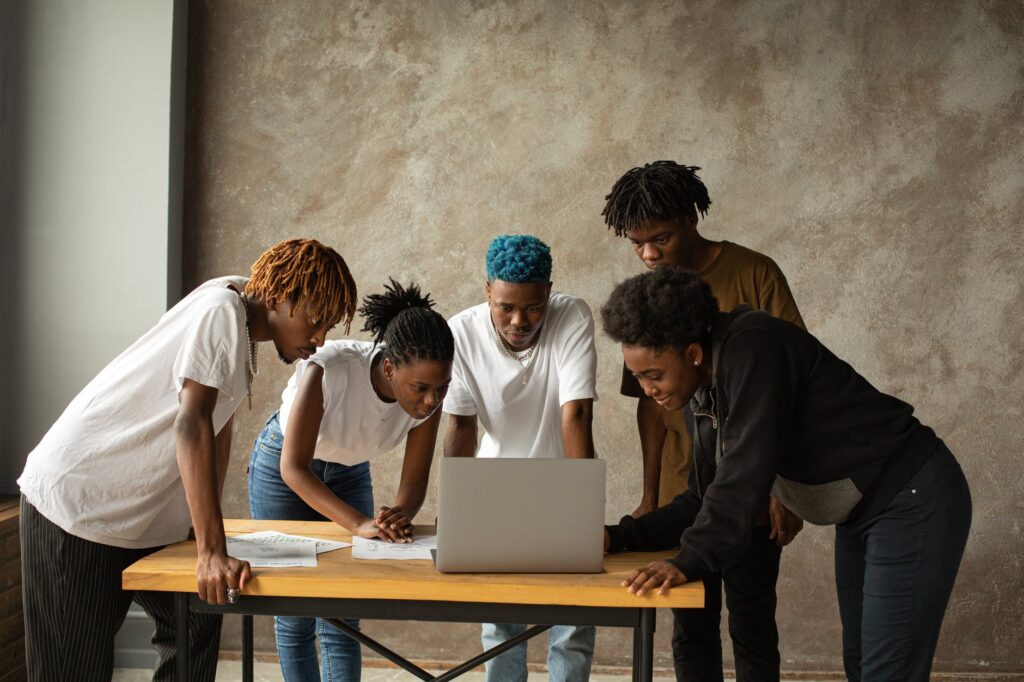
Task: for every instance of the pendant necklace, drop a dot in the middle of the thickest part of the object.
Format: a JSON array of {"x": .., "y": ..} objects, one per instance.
[{"x": 252, "y": 367}]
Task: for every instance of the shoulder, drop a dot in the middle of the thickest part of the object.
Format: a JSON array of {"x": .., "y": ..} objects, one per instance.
[
  {"x": 757, "y": 333},
  {"x": 569, "y": 310},
  {"x": 468, "y": 322},
  {"x": 342, "y": 353},
  {"x": 749, "y": 259}
]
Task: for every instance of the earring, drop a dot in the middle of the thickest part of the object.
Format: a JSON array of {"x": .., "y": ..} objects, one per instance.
[{"x": 388, "y": 376}]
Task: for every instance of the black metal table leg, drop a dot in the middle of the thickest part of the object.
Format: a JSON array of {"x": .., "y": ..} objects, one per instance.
[
  {"x": 643, "y": 652},
  {"x": 184, "y": 658},
  {"x": 247, "y": 668}
]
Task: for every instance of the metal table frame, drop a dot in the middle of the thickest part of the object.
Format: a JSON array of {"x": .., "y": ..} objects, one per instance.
[{"x": 640, "y": 619}]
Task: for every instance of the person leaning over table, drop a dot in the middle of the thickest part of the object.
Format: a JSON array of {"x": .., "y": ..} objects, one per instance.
[
  {"x": 656, "y": 208},
  {"x": 349, "y": 402},
  {"x": 781, "y": 414},
  {"x": 139, "y": 456},
  {"x": 525, "y": 370}
]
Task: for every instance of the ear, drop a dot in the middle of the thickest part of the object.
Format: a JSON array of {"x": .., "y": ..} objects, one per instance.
[
  {"x": 389, "y": 368},
  {"x": 694, "y": 355},
  {"x": 487, "y": 290}
]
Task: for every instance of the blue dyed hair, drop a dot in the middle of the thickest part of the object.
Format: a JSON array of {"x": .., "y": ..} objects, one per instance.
[{"x": 518, "y": 259}]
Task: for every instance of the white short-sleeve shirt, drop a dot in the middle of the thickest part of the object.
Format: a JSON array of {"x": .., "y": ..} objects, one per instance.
[
  {"x": 519, "y": 404},
  {"x": 107, "y": 470},
  {"x": 357, "y": 424}
]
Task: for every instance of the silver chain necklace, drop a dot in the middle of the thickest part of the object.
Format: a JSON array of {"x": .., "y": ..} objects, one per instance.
[
  {"x": 521, "y": 358},
  {"x": 252, "y": 368}
]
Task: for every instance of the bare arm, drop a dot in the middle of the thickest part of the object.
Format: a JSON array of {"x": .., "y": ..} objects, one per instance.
[
  {"x": 460, "y": 441},
  {"x": 297, "y": 453},
  {"x": 577, "y": 434},
  {"x": 652, "y": 430},
  {"x": 419, "y": 453},
  {"x": 223, "y": 449},
  {"x": 202, "y": 475}
]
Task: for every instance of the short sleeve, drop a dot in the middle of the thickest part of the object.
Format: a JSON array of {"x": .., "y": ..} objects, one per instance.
[
  {"x": 776, "y": 297},
  {"x": 209, "y": 353},
  {"x": 459, "y": 399},
  {"x": 577, "y": 365}
]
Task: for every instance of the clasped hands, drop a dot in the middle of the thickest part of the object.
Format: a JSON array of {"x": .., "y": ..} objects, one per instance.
[{"x": 392, "y": 524}]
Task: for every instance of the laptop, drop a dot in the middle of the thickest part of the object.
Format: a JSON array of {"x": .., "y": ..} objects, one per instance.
[{"x": 520, "y": 515}]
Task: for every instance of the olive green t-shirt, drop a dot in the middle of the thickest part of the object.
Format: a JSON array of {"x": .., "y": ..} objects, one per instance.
[{"x": 738, "y": 275}]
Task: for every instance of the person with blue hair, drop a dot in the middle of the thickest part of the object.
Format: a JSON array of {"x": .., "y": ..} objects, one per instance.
[{"x": 526, "y": 370}]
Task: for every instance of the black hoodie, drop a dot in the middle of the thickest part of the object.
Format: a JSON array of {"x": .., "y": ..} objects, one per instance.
[{"x": 797, "y": 422}]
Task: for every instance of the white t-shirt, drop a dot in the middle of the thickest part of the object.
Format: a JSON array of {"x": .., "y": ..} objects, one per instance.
[
  {"x": 107, "y": 470},
  {"x": 357, "y": 424},
  {"x": 518, "y": 404}
]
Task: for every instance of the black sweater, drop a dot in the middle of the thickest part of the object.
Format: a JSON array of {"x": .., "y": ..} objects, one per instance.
[{"x": 794, "y": 417}]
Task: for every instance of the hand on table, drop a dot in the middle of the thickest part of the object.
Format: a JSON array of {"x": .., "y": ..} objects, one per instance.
[
  {"x": 646, "y": 507},
  {"x": 397, "y": 521},
  {"x": 369, "y": 529},
  {"x": 216, "y": 573},
  {"x": 785, "y": 524},
  {"x": 660, "y": 575}
]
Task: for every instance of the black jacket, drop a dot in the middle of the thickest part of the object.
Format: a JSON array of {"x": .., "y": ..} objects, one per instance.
[{"x": 795, "y": 420}]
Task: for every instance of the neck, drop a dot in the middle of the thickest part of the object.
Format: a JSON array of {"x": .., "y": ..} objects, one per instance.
[
  {"x": 702, "y": 252},
  {"x": 256, "y": 314},
  {"x": 379, "y": 379}
]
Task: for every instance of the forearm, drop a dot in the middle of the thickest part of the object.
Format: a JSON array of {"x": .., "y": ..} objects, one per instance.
[
  {"x": 223, "y": 448},
  {"x": 577, "y": 431},
  {"x": 652, "y": 430},
  {"x": 318, "y": 496},
  {"x": 460, "y": 439},
  {"x": 658, "y": 530},
  {"x": 198, "y": 465},
  {"x": 411, "y": 496}
]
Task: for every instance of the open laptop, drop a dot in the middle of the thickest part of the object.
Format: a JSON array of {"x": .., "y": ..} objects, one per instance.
[{"x": 520, "y": 515}]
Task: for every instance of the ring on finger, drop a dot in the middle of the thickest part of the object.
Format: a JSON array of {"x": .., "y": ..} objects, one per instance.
[{"x": 232, "y": 595}]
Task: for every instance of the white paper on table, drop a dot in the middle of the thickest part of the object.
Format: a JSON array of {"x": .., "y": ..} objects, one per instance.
[
  {"x": 419, "y": 548},
  {"x": 261, "y": 553},
  {"x": 272, "y": 536}
]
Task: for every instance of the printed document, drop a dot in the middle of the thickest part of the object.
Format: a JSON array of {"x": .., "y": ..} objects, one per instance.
[{"x": 378, "y": 549}]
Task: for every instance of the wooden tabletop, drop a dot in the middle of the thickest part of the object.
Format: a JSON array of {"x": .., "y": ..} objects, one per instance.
[{"x": 338, "y": 575}]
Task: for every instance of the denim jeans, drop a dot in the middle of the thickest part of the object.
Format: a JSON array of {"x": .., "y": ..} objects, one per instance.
[
  {"x": 894, "y": 574},
  {"x": 750, "y": 595},
  {"x": 570, "y": 651},
  {"x": 271, "y": 498}
]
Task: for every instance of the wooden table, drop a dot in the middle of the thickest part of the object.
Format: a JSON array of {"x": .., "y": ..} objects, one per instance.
[{"x": 343, "y": 587}]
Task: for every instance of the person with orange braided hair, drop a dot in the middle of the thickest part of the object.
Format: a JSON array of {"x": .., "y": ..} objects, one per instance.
[{"x": 140, "y": 455}]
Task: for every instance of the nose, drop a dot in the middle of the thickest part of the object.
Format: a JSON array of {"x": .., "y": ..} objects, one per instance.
[
  {"x": 649, "y": 253},
  {"x": 430, "y": 399},
  {"x": 648, "y": 388},
  {"x": 519, "y": 319},
  {"x": 319, "y": 337}
]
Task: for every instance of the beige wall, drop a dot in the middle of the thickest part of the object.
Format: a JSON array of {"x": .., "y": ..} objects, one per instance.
[{"x": 873, "y": 149}]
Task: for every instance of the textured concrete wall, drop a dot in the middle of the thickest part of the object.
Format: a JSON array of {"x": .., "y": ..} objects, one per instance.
[{"x": 873, "y": 149}]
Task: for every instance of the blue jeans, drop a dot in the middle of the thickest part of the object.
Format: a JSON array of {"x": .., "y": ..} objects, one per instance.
[
  {"x": 570, "y": 651},
  {"x": 271, "y": 498},
  {"x": 894, "y": 574}
]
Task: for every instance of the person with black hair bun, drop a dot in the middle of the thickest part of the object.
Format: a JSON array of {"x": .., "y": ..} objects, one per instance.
[
  {"x": 350, "y": 401},
  {"x": 773, "y": 412}
]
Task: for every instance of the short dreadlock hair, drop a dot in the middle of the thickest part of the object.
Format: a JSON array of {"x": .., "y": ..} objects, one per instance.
[
  {"x": 305, "y": 270},
  {"x": 662, "y": 308},
  {"x": 518, "y": 259},
  {"x": 404, "y": 321},
  {"x": 663, "y": 190}
]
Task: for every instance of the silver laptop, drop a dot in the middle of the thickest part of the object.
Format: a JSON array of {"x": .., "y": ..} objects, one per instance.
[{"x": 520, "y": 515}]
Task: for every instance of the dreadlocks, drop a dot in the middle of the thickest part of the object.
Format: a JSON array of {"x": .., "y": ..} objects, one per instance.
[
  {"x": 403, "y": 320},
  {"x": 305, "y": 270},
  {"x": 662, "y": 190}
]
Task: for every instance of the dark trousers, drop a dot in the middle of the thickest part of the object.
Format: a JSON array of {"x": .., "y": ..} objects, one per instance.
[
  {"x": 750, "y": 596},
  {"x": 895, "y": 574},
  {"x": 74, "y": 605}
]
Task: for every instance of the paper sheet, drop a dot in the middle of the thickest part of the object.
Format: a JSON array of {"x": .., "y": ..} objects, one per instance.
[
  {"x": 272, "y": 536},
  {"x": 378, "y": 549},
  {"x": 271, "y": 549}
]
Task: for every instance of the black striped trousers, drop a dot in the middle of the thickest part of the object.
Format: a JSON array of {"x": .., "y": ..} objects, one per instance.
[{"x": 74, "y": 605}]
